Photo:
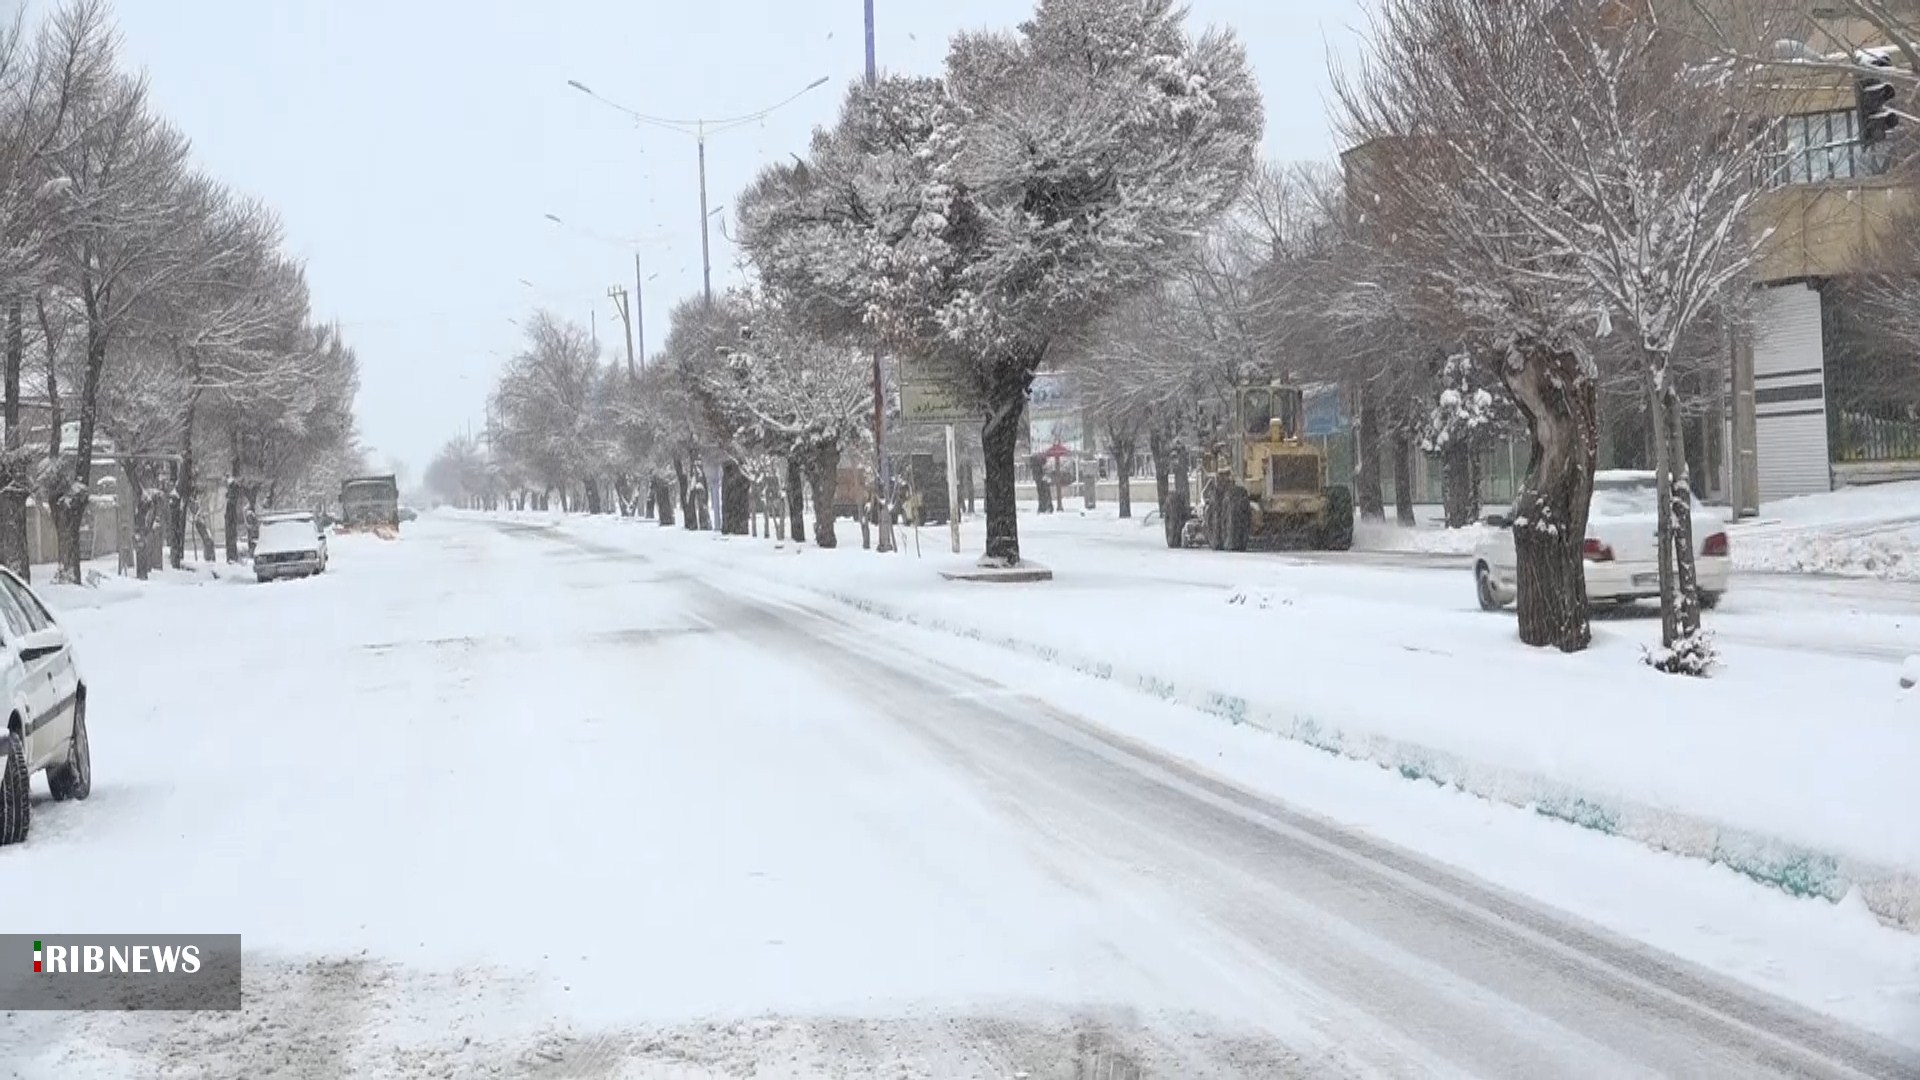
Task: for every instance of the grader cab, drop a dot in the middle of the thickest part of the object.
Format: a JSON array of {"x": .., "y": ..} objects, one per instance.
[{"x": 1266, "y": 485}]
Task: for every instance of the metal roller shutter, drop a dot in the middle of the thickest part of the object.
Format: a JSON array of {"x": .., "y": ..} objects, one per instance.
[{"x": 1789, "y": 392}]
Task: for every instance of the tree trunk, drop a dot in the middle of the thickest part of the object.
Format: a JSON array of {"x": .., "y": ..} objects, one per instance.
[
  {"x": 1366, "y": 457},
  {"x": 797, "y": 500},
  {"x": 1403, "y": 470},
  {"x": 233, "y": 519},
  {"x": 823, "y": 475},
  {"x": 77, "y": 498},
  {"x": 183, "y": 488},
  {"x": 1550, "y": 523},
  {"x": 1000, "y": 443},
  {"x": 663, "y": 500},
  {"x": 1679, "y": 581},
  {"x": 1160, "y": 448},
  {"x": 1124, "y": 451},
  {"x": 13, "y": 494},
  {"x": 1456, "y": 482},
  {"x": 684, "y": 490},
  {"x": 736, "y": 500},
  {"x": 1182, "y": 474},
  {"x": 1042, "y": 487}
]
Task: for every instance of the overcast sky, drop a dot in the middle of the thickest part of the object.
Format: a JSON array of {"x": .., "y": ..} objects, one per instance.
[{"x": 414, "y": 147}]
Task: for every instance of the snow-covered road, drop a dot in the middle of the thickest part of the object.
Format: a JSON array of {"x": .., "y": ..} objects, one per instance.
[{"x": 501, "y": 800}]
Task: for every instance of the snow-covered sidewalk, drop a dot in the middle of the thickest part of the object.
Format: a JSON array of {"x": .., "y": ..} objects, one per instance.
[
  {"x": 1790, "y": 765},
  {"x": 1856, "y": 532}
]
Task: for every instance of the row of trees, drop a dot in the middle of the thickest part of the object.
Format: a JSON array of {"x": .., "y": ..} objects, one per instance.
[
  {"x": 1547, "y": 202},
  {"x": 152, "y": 318}
]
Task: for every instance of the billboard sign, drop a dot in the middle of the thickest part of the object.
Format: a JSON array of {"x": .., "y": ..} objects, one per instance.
[
  {"x": 933, "y": 404},
  {"x": 1054, "y": 418}
]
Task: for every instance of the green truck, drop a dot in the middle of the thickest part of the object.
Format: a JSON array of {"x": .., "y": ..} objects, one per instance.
[{"x": 370, "y": 502}]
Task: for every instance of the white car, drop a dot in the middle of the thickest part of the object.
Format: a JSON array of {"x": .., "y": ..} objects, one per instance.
[
  {"x": 291, "y": 544},
  {"x": 47, "y": 708},
  {"x": 1622, "y": 546}
]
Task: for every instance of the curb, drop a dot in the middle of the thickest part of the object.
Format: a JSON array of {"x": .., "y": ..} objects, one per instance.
[{"x": 1795, "y": 869}]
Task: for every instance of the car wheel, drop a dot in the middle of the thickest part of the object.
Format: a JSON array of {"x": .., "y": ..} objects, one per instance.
[
  {"x": 1483, "y": 584},
  {"x": 1710, "y": 600},
  {"x": 16, "y": 813},
  {"x": 74, "y": 778}
]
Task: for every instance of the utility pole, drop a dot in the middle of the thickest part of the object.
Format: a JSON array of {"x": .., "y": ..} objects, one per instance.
[
  {"x": 706, "y": 264},
  {"x": 639, "y": 313},
  {"x": 884, "y": 541},
  {"x": 619, "y": 297}
]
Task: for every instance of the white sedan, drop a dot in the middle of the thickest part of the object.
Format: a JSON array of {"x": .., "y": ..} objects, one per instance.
[
  {"x": 47, "y": 708},
  {"x": 291, "y": 544},
  {"x": 1622, "y": 546}
]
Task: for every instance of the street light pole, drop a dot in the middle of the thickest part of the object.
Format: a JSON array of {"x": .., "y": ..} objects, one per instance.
[
  {"x": 884, "y": 475},
  {"x": 639, "y": 313}
]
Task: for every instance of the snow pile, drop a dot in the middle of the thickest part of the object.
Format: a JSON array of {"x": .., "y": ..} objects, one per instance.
[
  {"x": 1857, "y": 532},
  {"x": 1388, "y": 536},
  {"x": 1891, "y": 553}
]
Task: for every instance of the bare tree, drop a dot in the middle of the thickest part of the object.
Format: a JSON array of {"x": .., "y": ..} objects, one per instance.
[
  {"x": 124, "y": 170},
  {"x": 1432, "y": 161}
]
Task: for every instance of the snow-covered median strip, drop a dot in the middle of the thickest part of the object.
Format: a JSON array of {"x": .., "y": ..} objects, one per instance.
[
  {"x": 1891, "y": 894},
  {"x": 1790, "y": 789},
  {"x": 1869, "y": 532}
]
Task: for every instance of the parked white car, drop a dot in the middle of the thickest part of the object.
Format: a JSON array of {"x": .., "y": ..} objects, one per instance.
[
  {"x": 292, "y": 544},
  {"x": 46, "y": 700},
  {"x": 1622, "y": 546}
]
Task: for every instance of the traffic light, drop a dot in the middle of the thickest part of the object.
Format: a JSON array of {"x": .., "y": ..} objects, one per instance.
[{"x": 1874, "y": 96}]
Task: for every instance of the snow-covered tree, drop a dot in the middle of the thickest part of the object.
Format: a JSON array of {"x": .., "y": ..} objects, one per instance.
[
  {"x": 1461, "y": 420},
  {"x": 1433, "y": 159},
  {"x": 797, "y": 397},
  {"x": 974, "y": 220},
  {"x": 542, "y": 408}
]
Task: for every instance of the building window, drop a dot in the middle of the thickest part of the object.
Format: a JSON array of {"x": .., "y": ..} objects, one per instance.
[{"x": 1826, "y": 146}]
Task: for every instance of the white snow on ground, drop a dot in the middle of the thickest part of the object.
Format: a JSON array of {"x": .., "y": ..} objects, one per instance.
[
  {"x": 1869, "y": 531},
  {"x": 1803, "y": 735},
  {"x": 462, "y": 784},
  {"x": 445, "y": 793},
  {"x": 1830, "y": 957}
]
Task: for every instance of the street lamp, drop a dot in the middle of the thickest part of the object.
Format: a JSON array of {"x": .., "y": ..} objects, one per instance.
[{"x": 700, "y": 129}]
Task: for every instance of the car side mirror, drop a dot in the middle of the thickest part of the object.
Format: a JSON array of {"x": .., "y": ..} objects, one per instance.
[
  {"x": 42, "y": 643},
  {"x": 1498, "y": 521}
]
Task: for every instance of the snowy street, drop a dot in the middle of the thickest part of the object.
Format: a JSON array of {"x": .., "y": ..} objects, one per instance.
[{"x": 514, "y": 798}]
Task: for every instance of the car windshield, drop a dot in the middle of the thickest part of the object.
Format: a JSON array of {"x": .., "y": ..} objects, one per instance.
[
  {"x": 295, "y": 535},
  {"x": 1629, "y": 498}
]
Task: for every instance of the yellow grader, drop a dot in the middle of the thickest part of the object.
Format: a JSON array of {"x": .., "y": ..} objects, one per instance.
[{"x": 1266, "y": 485}]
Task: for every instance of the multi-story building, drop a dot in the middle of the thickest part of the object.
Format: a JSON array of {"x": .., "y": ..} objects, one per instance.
[{"x": 1817, "y": 401}]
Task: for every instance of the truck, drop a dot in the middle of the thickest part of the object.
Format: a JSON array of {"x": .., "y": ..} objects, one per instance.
[{"x": 370, "y": 503}]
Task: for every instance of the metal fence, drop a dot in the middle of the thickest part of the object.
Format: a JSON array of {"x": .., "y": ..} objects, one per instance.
[{"x": 1858, "y": 437}]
